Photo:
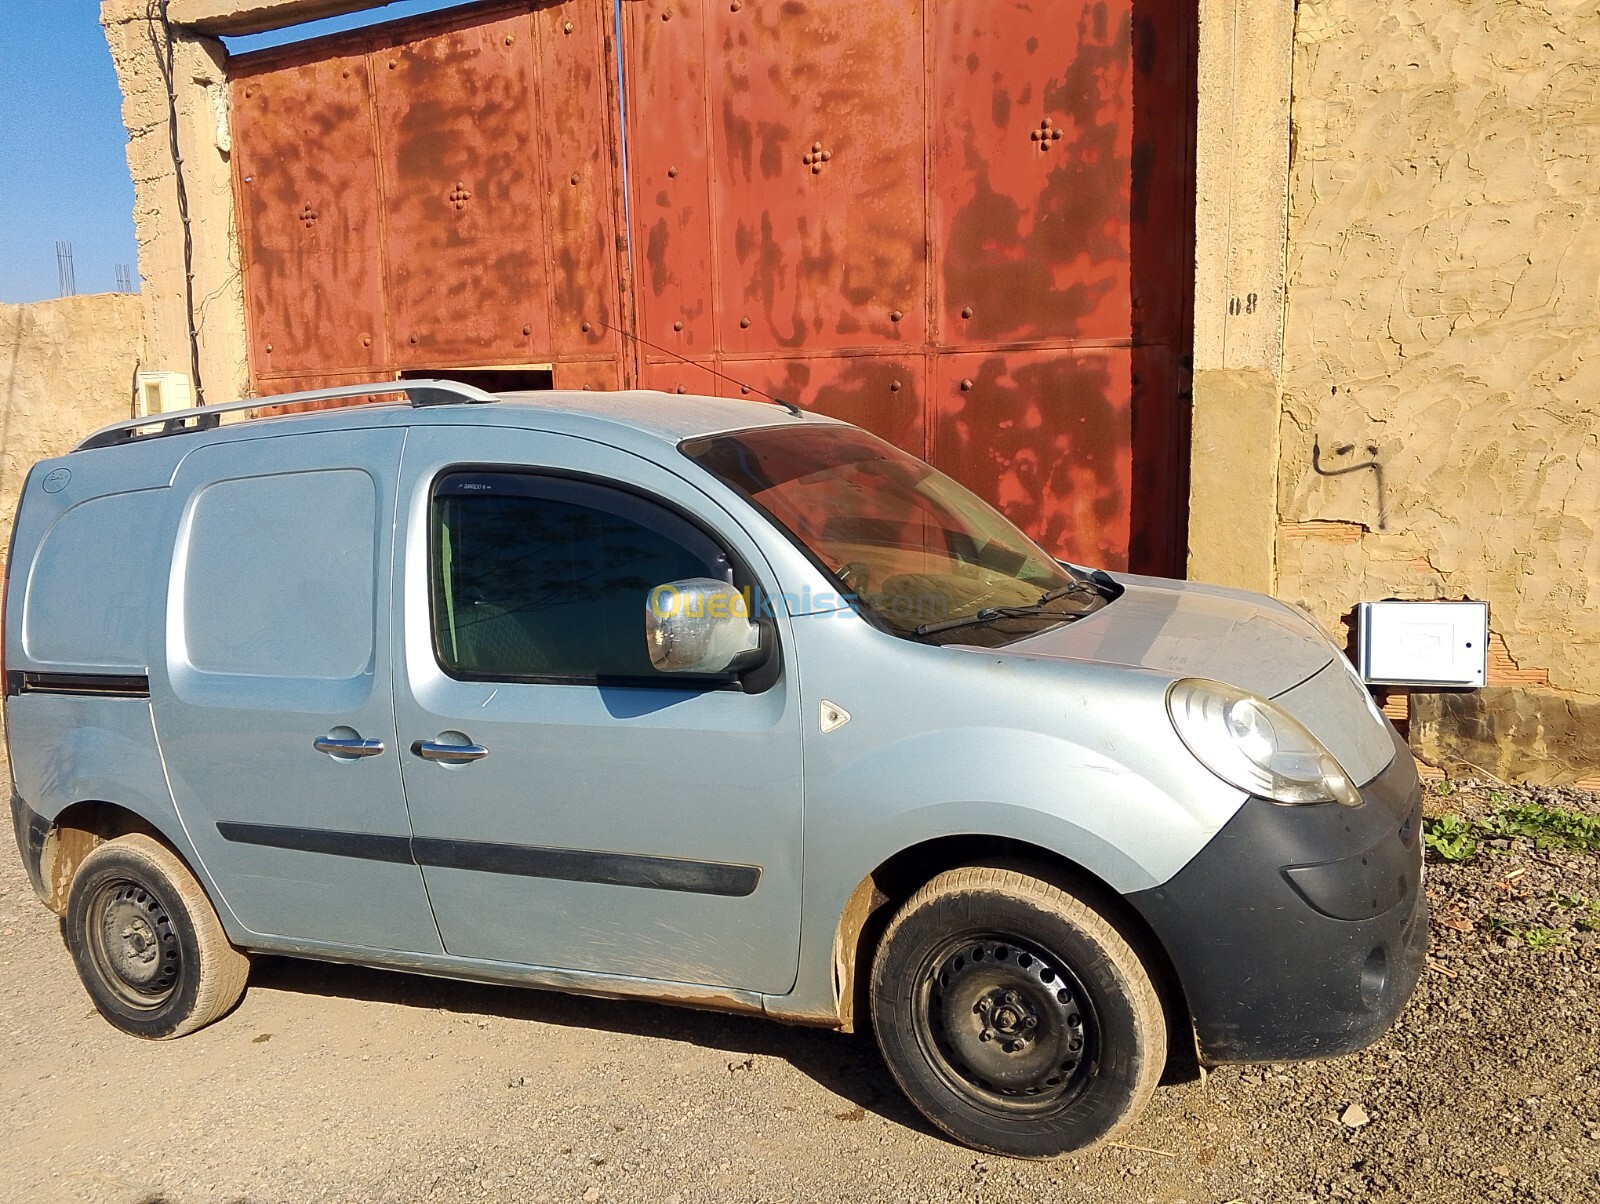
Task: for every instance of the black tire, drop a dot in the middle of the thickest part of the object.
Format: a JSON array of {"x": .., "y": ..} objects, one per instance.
[
  {"x": 147, "y": 942},
  {"x": 1014, "y": 1017}
]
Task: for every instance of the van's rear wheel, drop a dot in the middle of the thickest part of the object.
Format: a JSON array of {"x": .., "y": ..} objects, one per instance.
[
  {"x": 1014, "y": 1016},
  {"x": 147, "y": 942}
]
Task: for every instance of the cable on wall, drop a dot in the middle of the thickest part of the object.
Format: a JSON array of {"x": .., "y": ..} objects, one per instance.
[{"x": 156, "y": 14}]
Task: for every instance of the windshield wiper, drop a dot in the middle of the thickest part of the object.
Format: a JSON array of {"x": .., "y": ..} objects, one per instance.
[
  {"x": 989, "y": 614},
  {"x": 1034, "y": 610},
  {"x": 1077, "y": 587}
]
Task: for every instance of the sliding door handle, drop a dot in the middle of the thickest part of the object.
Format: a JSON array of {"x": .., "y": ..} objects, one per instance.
[{"x": 347, "y": 748}]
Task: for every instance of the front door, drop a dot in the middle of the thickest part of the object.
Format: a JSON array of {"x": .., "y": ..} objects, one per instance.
[
  {"x": 274, "y": 712},
  {"x": 572, "y": 808}
]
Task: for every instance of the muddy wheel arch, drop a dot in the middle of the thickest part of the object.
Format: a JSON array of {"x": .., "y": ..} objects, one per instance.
[
  {"x": 876, "y": 898},
  {"x": 77, "y": 832}
]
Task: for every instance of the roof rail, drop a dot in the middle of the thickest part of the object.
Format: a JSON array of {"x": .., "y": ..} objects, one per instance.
[{"x": 203, "y": 418}]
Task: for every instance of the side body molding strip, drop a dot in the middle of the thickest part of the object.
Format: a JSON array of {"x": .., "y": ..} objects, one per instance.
[{"x": 531, "y": 861}]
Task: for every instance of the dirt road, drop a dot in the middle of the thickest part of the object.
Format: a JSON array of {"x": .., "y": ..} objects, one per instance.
[{"x": 336, "y": 1084}]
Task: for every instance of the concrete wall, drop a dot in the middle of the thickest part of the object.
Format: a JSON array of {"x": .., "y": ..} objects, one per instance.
[
  {"x": 204, "y": 140},
  {"x": 253, "y": 16},
  {"x": 66, "y": 368},
  {"x": 1443, "y": 329},
  {"x": 1241, "y": 191}
]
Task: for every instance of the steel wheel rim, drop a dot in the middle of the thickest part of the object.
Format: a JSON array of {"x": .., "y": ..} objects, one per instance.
[
  {"x": 1008, "y": 1026},
  {"x": 133, "y": 945}
]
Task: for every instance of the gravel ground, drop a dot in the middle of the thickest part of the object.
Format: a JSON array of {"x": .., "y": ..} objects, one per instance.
[{"x": 337, "y": 1084}]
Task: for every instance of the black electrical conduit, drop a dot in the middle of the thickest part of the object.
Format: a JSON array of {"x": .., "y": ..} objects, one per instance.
[{"x": 155, "y": 12}]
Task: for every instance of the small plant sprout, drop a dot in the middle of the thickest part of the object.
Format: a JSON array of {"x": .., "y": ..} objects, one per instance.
[
  {"x": 1450, "y": 838},
  {"x": 1542, "y": 940}
]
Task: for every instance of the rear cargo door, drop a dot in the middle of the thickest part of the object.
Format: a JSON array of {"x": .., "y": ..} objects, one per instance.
[{"x": 273, "y": 701}]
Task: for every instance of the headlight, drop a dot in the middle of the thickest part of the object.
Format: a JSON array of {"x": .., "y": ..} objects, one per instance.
[{"x": 1255, "y": 745}]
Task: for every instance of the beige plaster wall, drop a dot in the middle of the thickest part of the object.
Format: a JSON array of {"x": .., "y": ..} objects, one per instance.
[
  {"x": 66, "y": 368},
  {"x": 205, "y": 141},
  {"x": 1443, "y": 329}
]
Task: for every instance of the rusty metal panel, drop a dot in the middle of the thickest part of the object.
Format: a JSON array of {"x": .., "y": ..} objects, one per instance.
[
  {"x": 1045, "y": 435},
  {"x": 670, "y": 176},
  {"x": 1026, "y": 160},
  {"x": 883, "y": 393},
  {"x": 681, "y": 376},
  {"x": 462, "y": 185},
  {"x": 827, "y": 201},
  {"x": 1032, "y": 169},
  {"x": 577, "y": 139},
  {"x": 295, "y": 384},
  {"x": 299, "y": 382},
  {"x": 309, "y": 229},
  {"x": 818, "y": 125},
  {"x": 587, "y": 374}
]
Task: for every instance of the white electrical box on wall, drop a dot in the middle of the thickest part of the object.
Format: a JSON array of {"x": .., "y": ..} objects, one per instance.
[
  {"x": 161, "y": 393},
  {"x": 1444, "y": 645}
]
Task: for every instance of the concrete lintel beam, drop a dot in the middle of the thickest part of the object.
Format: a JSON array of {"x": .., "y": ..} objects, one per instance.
[{"x": 230, "y": 17}]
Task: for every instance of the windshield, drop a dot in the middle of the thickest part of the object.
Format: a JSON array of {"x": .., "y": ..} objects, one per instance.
[{"x": 905, "y": 542}]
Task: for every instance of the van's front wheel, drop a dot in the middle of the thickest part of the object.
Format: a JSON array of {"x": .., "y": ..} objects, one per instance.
[
  {"x": 147, "y": 942},
  {"x": 1014, "y": 1016}
]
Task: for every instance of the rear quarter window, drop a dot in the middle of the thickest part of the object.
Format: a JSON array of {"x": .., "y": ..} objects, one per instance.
[
  {"x": 276, "y": 576},
  {"x": 89, "y": 588}
]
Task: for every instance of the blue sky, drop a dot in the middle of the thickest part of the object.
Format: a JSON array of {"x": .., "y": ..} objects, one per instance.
[
  {"x": 63, "y": 164},
  {"x": 63, "y": 171}
]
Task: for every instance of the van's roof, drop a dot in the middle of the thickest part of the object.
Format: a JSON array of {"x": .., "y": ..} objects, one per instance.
[{"x": 671, "y": 417}]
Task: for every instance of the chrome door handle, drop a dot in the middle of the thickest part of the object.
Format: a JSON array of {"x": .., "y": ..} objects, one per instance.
[
  {"x": 449, "y": 754},
  {"x": 335, "y": 746}
]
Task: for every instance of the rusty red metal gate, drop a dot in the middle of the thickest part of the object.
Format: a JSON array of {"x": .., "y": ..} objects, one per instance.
[
  {"x": 965, "y": 224},
  {"x": 433, "y": 195}
]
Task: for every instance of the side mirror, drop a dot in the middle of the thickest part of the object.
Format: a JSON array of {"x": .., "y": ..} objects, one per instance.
[{"x": 703, "y": 626}]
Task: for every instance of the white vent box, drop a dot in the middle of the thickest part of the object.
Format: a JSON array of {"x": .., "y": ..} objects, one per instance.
[
  {"x": 161, "y": 393},
  {"x": 1439, "y": 644}
]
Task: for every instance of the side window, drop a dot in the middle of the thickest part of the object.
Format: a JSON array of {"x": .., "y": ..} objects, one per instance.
[{"x": 547, "y": 578}]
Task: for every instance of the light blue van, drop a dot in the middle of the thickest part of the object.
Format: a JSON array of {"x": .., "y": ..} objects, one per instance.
[{"x": 697, "y": 700}]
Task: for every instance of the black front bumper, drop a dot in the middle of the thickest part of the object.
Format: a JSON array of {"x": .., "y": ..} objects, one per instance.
[
  {"x": 1300, "y": 932},
  {"x": 31, "y": 830}
]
